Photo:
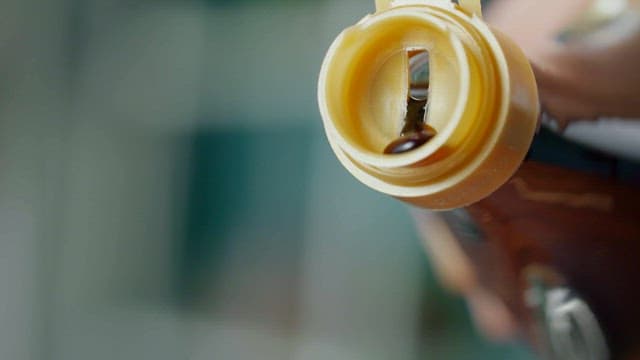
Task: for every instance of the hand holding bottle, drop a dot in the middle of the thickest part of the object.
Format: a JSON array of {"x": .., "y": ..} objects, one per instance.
[{"x": 584, "y": 54}]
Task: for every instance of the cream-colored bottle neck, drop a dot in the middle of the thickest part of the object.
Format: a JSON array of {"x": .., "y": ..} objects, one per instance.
[
  {"x": 470, "y": 6},
  {"x": 483, "y": 98}
]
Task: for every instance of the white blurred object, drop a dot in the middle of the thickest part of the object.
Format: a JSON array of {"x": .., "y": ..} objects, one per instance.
[
  {"x": 603, "y": 23},
  {"x": 616, "y": 136}
]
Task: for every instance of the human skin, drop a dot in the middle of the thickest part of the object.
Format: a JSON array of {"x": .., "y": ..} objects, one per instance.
[{"x": 579, "y": 80}]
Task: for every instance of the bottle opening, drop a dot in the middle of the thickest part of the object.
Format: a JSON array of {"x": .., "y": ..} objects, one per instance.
[
  {"x": 419, "y": 73},
  {"x": 415, "y": 130},
  {"x": 396, "y": 76}
]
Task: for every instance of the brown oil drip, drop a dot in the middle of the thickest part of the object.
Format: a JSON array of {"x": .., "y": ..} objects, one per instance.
[{"x": 415, "y": 131}]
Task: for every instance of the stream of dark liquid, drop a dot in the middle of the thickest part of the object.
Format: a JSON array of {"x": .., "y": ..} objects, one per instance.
[{"x": 415, "y": 131}]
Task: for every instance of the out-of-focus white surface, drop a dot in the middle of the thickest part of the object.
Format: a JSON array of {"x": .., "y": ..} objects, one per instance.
[{"x": 616, "y": 136}]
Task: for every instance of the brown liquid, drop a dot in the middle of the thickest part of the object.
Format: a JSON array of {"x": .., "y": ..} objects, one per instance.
[
  {"x": 415, "y": 132},
  {"x": 584, "y": 227},
  {"x": 411, "y": 140}
]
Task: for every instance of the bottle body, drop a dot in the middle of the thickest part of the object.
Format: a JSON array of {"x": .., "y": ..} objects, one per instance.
[
  {"x": 556, "y": 226},
  {"x": 562, "y": 223}
]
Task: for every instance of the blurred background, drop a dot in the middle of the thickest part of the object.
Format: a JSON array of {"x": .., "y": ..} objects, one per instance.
[{"x": 167, "y": 192}]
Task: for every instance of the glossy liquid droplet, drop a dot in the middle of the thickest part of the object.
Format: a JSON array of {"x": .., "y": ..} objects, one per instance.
[{"x": 410, "y": 141}]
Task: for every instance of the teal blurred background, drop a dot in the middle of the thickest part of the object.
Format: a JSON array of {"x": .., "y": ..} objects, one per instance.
[{"x": 166, "y": 192}]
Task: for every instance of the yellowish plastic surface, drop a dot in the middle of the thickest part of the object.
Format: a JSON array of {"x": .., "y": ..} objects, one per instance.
[{"x": 483, "y": 102}]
